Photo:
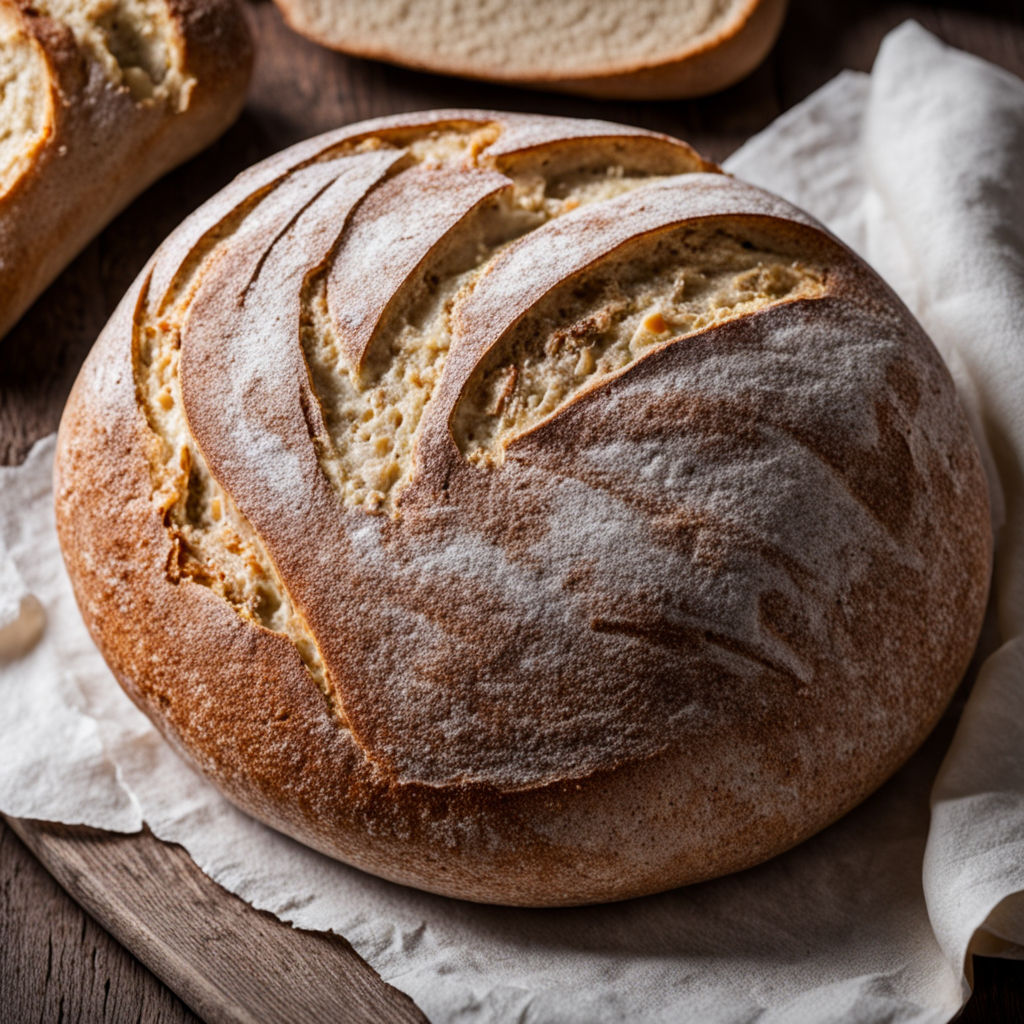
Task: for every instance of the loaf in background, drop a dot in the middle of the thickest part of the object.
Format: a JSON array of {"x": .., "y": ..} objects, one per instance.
[
  {"x": 616, "y": 49},
  {"x": 98, "y": 99}
]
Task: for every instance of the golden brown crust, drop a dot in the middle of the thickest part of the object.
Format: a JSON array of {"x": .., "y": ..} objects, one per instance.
[
  {"x": 689, "y": 618},
  {"x": 106, "y": 143},
  {"x": 697, "y": 69},
  {"x": 705, "y": 69}
]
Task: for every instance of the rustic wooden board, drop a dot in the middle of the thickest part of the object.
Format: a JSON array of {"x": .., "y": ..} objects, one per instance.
[{"x": 226, "y": 960}]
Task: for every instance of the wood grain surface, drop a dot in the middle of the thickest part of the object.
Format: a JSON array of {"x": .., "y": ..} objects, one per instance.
[
  {"x": 228, "y": 961},
  {"x": 56, "y": 964}
]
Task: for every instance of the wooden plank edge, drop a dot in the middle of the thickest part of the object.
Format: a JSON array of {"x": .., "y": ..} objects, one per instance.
[{"x": 231, "y": 963}]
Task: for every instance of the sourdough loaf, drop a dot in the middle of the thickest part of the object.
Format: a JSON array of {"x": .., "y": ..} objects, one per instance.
[
  {"x": 625, "y": 49},
  {"x": 97, "y": 100},
  {"x": 522, "y": 509}
]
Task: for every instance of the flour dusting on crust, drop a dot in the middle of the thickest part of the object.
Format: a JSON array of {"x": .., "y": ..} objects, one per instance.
[{"x": 522, "y": 509}]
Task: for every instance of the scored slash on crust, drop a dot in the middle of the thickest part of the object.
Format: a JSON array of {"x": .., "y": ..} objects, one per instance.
[{"x": 376, "y": 343}]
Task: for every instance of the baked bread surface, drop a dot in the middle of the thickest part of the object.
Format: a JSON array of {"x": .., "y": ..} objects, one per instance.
[
  {"x": 100, "y": 98},
  {"x": 620, "y": 49},
  {"x": 521, "y": 509}
]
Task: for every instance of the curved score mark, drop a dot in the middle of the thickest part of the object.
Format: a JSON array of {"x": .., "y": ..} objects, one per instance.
[
  {"x": 389, "y": 238},
  {"x": 539, "y": 265},
  {"x": 524, "y": 139},
  {"x": 243, "y": 393},
  {"x": 410, "y": 252},
  {"x": 692, "y": 636}
]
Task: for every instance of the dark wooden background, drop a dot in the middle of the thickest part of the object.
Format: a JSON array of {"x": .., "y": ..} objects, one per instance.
[{"x": 56, "y": 964}]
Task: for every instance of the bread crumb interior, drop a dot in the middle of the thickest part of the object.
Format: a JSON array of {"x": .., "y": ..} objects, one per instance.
[
  {"x": 373, "y": 412},
  {"x": 135, "y": 42},
  {"x": 26, "y": 111},
  {"x": 689, "y": 279}
]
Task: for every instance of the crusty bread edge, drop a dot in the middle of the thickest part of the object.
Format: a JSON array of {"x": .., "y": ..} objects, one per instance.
[
  {"x": 697, "y": 70},
  {"x": 217, "y": 50}
]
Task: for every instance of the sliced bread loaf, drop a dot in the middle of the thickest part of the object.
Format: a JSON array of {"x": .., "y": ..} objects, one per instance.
[{"x": 638, "y": 49}]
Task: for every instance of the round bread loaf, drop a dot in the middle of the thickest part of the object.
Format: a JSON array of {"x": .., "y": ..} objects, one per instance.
[{"x": 522, "y": 509}]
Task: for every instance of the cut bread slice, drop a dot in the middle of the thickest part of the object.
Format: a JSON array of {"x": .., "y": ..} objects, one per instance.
[{"x": 629, "y": 49}]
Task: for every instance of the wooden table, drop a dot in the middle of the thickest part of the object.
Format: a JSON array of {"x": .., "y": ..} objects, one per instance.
[{"x": 56, "y": 964}]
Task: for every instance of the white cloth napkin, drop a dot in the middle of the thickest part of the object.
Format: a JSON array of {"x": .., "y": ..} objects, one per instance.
[{"x": 917, "y": 167}]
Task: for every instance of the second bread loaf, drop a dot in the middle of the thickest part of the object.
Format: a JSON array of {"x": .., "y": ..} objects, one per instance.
[
  {"x": 620, "y": 49},
  {"x": 99, "y": 99}
]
